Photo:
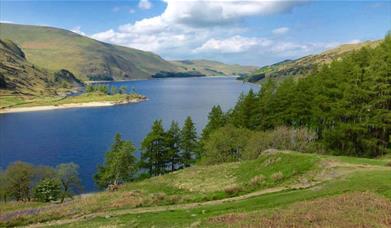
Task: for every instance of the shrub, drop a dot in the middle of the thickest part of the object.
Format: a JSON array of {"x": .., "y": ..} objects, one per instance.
[
  {"x": 233, "y": 189},
  {"x": 257, "y": 180},
  {"x": 283, "y": 138},
  {"x": 225, "y": 144},
  {"x": 47, "y": 190},
  {"x": 277, "y": 176}
]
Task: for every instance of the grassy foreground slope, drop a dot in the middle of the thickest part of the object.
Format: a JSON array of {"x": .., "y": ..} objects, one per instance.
[
  {"x": 213, "y": 68},
  {"x": 304, "y": 65},
  {"x": 88, "y": 59},
  {"x": 211, "y": 195}
]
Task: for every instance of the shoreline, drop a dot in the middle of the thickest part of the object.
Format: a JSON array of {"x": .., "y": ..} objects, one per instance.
[{"x": 69, "y": 106}]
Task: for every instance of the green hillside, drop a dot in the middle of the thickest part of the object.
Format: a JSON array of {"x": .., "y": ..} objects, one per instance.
[
  {"x": 18, "y": 77},
  {"x": 304, "y": 65},
  {"x": 213, "y": 68},
  {"x": 88, "y": 59},
  {"x": 210, "y": 195}
]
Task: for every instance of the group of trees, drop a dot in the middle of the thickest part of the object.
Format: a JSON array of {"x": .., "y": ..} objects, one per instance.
[
  {"x": 24, "y": 182},
  {"x": 109, "y": 90},
  {"x": 161, "y": 152},
  {"x": 346, "y": 103}
]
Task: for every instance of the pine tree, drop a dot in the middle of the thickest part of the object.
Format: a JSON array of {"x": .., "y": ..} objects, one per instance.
[
  {"x": 216, "y": 119},
  {"x": 154, "y": 150},
  {"x": 120, "y": 164},
  {"x": 173, "y": 137},
  {"x": 189, "y": 143}
]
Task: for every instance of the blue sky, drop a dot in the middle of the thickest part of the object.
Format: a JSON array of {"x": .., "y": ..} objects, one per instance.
[{"x": 252, "y": 32}]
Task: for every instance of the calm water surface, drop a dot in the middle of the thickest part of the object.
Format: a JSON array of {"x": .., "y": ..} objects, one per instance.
[{"x": 84, "y": 135}]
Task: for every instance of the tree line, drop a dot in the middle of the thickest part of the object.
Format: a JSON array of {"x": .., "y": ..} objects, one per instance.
[
  {"x": 346, "y": 103},
  {"x": 22, "y": 181},
  {"x": 108, "y": 90},
  {"x": 162, "y": 151}
]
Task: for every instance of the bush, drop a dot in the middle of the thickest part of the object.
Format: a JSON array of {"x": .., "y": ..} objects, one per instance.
[
  {"x": 282, "y": 138},
  {"x": 225, "y": 144},
  {"x": 233, "y": 189},
  {"x": 277, "y": 176},
  {"x": 257, "y": 180},
  {"x": 47, "y": 190}
]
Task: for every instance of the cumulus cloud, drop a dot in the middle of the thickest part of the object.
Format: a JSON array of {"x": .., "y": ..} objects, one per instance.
[
  {"x": 145, "y": 4},
  {"x": 280, "y": 31},
  {"x": 203, "y": 28},
  {"x": 77, "y": 30}
]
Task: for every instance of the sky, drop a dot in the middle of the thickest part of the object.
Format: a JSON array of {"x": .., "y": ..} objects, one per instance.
[{"x": 252, "y": 32}]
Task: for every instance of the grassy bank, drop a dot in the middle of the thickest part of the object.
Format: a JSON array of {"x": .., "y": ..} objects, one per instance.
[{"x": 202, "y": 194}]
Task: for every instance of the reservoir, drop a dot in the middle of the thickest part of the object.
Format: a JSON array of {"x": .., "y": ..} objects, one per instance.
[{"x": 83, "y": 135}]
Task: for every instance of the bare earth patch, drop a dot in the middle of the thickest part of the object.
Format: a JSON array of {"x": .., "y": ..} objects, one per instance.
[{"x": 347, "y": 210}]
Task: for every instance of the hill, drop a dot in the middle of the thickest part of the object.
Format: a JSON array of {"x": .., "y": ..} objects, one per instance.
[
  {"x": 213, "y": 68},
  {"x": 87, "y": 58},
  {"x": 20, "y": 77},
  {"x": 305, "y": 64},
  {"x": 247, "y": 192}
]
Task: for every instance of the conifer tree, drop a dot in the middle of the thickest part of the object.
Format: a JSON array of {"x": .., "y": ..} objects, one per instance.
[
  {"x": 173, "y": 137},
  {"x": 189, "y": 143}
]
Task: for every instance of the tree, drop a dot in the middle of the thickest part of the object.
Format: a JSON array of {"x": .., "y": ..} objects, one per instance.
[
  {"x": 19, "y": 176},
  {"x": 173, "y": 137},
  {"x": 123, "y": 89},
  {"x": 68, "y": 175},
  {"x": 119, "y": 165},
  {"x": 244, "y": 112},
  {"x": 3, "y": 186},
  {"x": 216, "y": 119},
  {"x": 226, "y": 144},
  {"x": 154, "y": 150},
  {"x": 189, "y": 143},
  {"x": 47, "y": 190}
]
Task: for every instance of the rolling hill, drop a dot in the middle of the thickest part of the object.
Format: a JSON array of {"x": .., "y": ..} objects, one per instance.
[
  {"x": 88, "y": 59},
  {"x": 211, "y": 68},
  {"x": 305, "y": 64},
  {"x": 20, "y": 77}
]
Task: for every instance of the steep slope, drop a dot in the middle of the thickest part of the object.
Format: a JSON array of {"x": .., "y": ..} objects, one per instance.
[
  {"x": 88, "y": 59},
  {"x": 213, "y": 68},
  {"x": 20, "y": 77},
  {"x": 305, "y": 64}
]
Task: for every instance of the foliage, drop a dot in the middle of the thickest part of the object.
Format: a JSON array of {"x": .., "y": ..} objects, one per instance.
[
  {"x": 216, "y": 119},
  {"x": 173, "y": 143},
  {"x": 347, "y": 104},
  {"x": 47, "y": 190},
  {"x": 68, "y": 175},
  {"x": 189, "y": 142},
  {"x": 154, "y": 150},
  {"x": 119, "y": 165},
  {"x": 225, "y": 144},
  {"x": 19, "y": 177}
]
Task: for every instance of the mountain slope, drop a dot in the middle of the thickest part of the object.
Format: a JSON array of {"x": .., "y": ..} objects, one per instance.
[
  {"x": 88, "y": 59},
  {"x": 305, "y": 64},
  {"x": 20, "y": 77},
  {"x": 212, "y": 68}
]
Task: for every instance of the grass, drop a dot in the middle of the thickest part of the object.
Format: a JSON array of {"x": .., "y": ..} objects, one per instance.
[
  {"x": 377, "y": 182},
  {"x": 17, "y": 102},
  {"x": 130, "y": 205}
]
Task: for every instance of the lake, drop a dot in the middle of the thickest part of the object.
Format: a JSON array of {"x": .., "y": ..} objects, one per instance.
[{"x": 83, "y": 135}]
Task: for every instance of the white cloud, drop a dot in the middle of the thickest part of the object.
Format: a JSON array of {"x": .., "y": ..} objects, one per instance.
[
  {"x": 9, "y": 22},
  {"x": 131, "y": 11},
  {"x": 144, "y": 4},
  {"x": 356, "y": 41},
  {"x": 199, "y": 28},
  {"x": 280, "y": 31},
  {"x": 77, "y": 30},
  {"x": 116, "y": 9}
]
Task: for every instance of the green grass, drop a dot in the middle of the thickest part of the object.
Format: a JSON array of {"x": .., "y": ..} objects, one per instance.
[
  {"x": 18, "y": 102},
  {"x": 206, "y": 183},
  {"x": 373, "y": 181}
]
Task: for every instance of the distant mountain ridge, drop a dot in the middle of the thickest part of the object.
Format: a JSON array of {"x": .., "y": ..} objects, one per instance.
[
  {"x": 89, "y": 59},
  {"x": 212, "y": 68},
  {"x": 306, "y": 64}
]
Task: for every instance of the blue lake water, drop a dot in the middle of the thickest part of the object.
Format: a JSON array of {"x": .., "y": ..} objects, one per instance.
[{"x": 83, "y": 135}]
